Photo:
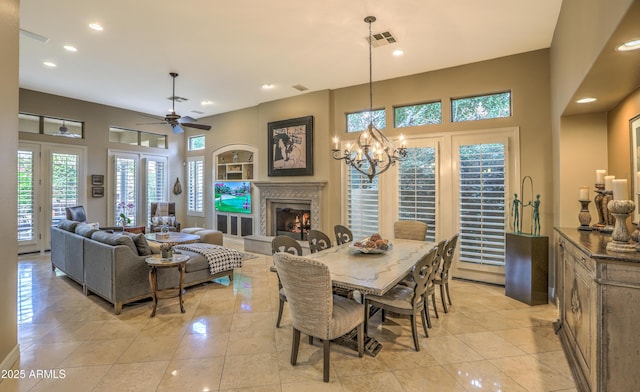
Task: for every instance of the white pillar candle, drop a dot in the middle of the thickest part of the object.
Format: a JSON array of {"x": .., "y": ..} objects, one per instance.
[
  {"x": 600, "y": 176},
  {"x": 584, "y": 193},
  {"x": 608, "y": 183},
  {"x": 620, "y": 189}
]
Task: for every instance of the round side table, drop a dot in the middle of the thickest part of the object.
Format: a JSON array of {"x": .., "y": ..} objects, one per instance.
[{"x": 177, "y": 261}]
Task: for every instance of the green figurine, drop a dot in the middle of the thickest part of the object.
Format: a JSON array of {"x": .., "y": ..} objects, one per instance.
[
  {"x": 515, "y": 210},
  {"x": 536, "y": 216}
]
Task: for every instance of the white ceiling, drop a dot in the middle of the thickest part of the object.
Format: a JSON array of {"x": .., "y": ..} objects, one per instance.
[{"x": 225, "y": 51}]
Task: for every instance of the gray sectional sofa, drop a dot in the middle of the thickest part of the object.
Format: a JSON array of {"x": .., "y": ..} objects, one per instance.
[{"x": 112, "y": 265}]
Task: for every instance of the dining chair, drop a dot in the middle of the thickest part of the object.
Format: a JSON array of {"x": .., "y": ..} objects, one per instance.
[
  {"x": 318, "y": 241},
  {"x": 409, "y": 301},
  {"x": 343, "y": 234},
  {"x": 315, "y": 311},
  {"x": 442, "y": 275},
  {"x": 410, "y": 230},
  {"x": 283, "y": 243}
]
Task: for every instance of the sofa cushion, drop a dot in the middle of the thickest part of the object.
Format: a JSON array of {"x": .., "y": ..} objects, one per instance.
[
  {"x": 85, "y": 230},
  {"x": 141, "y": 243},
  {"x": 114, "y": 239},
  {"x": 68, "y": 225}
]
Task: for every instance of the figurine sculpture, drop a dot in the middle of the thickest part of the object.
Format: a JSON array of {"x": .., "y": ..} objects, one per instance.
[
  {"x": 515, "y": 211},
  {"x": 536, "y": 216}
]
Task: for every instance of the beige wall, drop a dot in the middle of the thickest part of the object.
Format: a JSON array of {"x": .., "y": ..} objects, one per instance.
[
  {"x": 9, "y": 23},
  {"x": 619, "y": 138}
]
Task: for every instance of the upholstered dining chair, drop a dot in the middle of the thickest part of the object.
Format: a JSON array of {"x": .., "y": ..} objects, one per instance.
[
  {"x": 318, "y": 241},
  {"x": 410, "y": 230},
  {"x": 343, "y": 234},
  {"x": 442, "y": 275},
  {"x": 76, "y": 213},
  {"x": 315, "y": 311},
  {"x": 409, "y": 301},
  {"x": 283, "y": 243}
]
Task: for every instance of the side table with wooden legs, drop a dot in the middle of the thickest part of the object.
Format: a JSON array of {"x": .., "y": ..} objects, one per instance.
[{"x": 177, "y": 261}]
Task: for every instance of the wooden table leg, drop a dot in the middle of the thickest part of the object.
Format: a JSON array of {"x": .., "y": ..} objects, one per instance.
[
  {"x": 182, "y": 267},
  {"x": 153, "y": 282}
]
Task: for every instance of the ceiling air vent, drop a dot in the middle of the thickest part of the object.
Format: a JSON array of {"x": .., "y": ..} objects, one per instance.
[
  {"x": 381, "y": 39},
  {"x": 178, "y": 99},
  {"x": 197, "y": 112},
  {"x": 300, "y": 87}
]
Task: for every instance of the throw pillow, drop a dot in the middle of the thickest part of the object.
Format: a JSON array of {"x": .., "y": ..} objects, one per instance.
[
  {"x": 68, "y": 225},
  {"x": 141, "y": 243},
  {"x": 85, "y": 230},
  {"x": 114, "y": 239}
]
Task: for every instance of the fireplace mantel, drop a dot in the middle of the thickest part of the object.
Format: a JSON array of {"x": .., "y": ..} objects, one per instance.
[{"x": 307, "y": 191}]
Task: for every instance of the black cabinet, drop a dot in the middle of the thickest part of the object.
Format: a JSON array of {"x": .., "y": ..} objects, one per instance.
[{"x": 527, "y": 268}]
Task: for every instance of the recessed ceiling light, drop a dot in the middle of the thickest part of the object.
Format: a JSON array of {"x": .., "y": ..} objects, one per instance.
[
  {"x": 267, "y": 86},
  {"x": 631, "y": 45},
  {"x": 586, "y": 100},
  {"x": 205, "y": 103},
  {"x": 398, "y": 52},
  {"x": 49, "y": 64},
  {"x": 71, "y": 48},
  {"x": 96, "y": 26}
]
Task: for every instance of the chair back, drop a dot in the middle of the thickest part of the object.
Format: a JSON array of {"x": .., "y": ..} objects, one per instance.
[
  {"x": 307, "y": 285},
  {"x": 76, "y": 213},
  {"x": 170, "y": 208},
  {"x": 283, "y": 243},
  {"x": 447, "y": 256},
  {"x": 410, "y": 230},
  {"x": 318, "y": 241},
  {"x": 343, "y": 234},
  {"x": 423, "y": 275}
]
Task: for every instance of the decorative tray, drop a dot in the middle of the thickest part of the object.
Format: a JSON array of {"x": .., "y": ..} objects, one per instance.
[{"x": 371, "y": 245}]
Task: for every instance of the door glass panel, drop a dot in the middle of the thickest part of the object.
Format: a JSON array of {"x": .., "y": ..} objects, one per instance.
[
  {"x": 26, "y": 196},
  {"x": 417, "y": 188},
  {"x": 64, "y": 184},
  {"x": 125, "y": 190}
]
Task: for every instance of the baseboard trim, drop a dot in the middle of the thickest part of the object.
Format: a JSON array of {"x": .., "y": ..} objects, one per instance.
[{"x": 11, "y": 358}]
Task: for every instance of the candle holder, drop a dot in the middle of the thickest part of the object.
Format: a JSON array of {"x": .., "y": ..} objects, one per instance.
[
  {"x": 621, "y": 209},
  {"x": 584, "y": 216},
  {"x": 609, "y": 219},
  {"x": 597, "y": 201}
]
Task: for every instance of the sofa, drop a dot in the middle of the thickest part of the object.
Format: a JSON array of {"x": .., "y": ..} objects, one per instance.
[{"x": 112, "y": 265}]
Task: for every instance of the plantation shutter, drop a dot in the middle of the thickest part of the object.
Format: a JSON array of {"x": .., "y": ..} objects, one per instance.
[
  {"x": 125, "y": 188},
  {"x": 156, "y": 182},
  {"x": 26, "y": 197},
  {"x": 362, "y": 212},
  {"x": 417, "y": 188},
  {"x": 64, "y": 184},
  {"x": 195, "y": 186},
  {"x": 482, "y": 189}
]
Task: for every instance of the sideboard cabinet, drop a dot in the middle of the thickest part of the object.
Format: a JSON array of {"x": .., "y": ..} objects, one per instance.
[{"x": 599, "y": 305}]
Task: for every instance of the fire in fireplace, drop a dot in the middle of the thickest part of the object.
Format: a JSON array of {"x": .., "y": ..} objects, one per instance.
[{"x": 293, "y": 222}]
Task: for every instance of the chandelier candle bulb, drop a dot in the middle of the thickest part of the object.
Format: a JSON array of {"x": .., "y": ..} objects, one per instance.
[
  {"x": 608, "y": 183},
  {"x": 600, "y": 176},
  {"x": 336, "y": 143},
  {"x": 620, "y": 189},
  {"x": 584, "y": 193}
]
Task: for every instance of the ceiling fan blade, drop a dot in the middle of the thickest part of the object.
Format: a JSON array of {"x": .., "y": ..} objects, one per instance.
[
  {"x": 197, "y": 126},
  {"x": 187, "y": 119},
  {"x": 153, "y": 123},
  {"x": 177, "y": 129}
]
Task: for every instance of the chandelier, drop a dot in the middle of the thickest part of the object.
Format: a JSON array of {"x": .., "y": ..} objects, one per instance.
[{"x": 373, "y": 153}]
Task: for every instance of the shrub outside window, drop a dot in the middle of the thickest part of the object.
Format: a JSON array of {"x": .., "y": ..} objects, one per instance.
[
  {"x": 481, "y": 107},
  {"x": 359, "y": 121},
  {"x": 196, "y": 143},
  {"x": 421, "y": 114}
]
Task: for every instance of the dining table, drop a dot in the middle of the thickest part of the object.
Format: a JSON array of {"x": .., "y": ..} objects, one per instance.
[{"x": 370, "y": 273}]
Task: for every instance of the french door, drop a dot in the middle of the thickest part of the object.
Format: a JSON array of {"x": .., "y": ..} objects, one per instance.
[{"x": 50, "y": 178}]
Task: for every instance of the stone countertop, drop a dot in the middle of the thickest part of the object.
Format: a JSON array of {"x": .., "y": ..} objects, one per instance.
[{"x": 594, "y": 244}]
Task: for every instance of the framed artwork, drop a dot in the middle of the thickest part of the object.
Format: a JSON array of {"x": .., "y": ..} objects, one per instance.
[
  {"x": 291, "y": 147},
  {"x": 634, "y": 130},
  {"x": 97, "y": 179},
  {"x": 97, "y": 191}
]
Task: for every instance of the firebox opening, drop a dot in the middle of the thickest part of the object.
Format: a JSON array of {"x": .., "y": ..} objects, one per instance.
[{"x": 293, "y": 222}]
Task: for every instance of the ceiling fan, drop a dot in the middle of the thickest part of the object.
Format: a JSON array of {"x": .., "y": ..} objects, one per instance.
[{"x": 175, "y": 120}]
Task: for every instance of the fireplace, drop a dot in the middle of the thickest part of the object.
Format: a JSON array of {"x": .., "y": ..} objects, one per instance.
[
  {"x": 289, "y": 208},
  {"x": 291, "y": 219}
]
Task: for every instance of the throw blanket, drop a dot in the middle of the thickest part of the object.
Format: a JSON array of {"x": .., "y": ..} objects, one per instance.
[{"x": 219, "y": 258}]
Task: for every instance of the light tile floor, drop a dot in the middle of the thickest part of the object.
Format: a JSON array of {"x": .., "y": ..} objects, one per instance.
[{"x": 226, "y": 341}]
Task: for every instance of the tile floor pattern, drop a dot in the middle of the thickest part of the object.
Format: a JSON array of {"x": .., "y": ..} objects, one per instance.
[{"x": 226, "y": 341}]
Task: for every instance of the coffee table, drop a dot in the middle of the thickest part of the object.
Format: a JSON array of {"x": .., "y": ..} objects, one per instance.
[
  {"x": 177, "y": 261},
  {"x": 173, "y": 238}
]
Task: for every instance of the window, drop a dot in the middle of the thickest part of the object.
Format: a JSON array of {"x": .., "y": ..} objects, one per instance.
[
  {"x": 362, "y": 201},
  {"x": 414, "y": 115},
  {"x": 137, "y": 138},
  {"x": 156, "y": 182},
  {"x": 359, "y": 121},
  {"x": 417, "y": 188},
  {"x": 196, "y": 142},
  {"x": 32, "y": 123},
  {"x": 195, "y": 186},
  {"x": 126, "y": 190},
  {"x": 64, "y": 184},
  {"x": 26, "y": 196},
  {"x": 481, "y": 107},
  {"x": 28, "y": 123},
  {"x": 482, "y": 189}
]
